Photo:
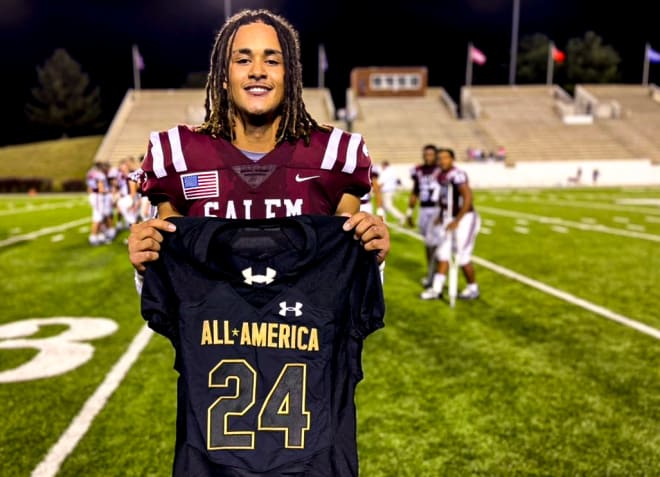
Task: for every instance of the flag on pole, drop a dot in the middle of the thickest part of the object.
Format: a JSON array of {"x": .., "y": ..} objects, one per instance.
[
  {"x": 558, "y": 55},
  {"x": 138, "y": 61},
  {"x": 477, "y": 56},
  {"x": 652, "y": 55}
]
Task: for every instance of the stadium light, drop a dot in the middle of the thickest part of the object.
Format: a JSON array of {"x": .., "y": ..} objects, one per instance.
[{"x": 514, "y": 42}]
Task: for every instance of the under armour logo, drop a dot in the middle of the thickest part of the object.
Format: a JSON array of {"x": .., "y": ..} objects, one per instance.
[
  {"x": 296, "y": 310},
  {"x": 266, "y": 279}
]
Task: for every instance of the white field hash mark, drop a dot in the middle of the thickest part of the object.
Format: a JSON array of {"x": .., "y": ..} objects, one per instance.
[
  {"x": 79, "y": 426},
  {"x": 568, "y": 223},
  {"x": 34, "y": 208},
  {"x": 41, "y": 232},
  {"x": 557, "y": 293}
]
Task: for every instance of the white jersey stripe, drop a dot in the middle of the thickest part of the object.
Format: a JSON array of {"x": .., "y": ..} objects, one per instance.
[
  {"x": 157, "y": 155},
  {"x": 352, "y": 153},
  {"x": 177, "y": 153},
  {"x": 331, "y": 150}
]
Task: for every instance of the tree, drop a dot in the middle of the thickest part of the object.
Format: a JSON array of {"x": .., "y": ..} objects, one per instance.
[
  {"x": 64, "y": 100},
  {"x": 588, "y": 60},
  {"x": 533, "y": 58}
]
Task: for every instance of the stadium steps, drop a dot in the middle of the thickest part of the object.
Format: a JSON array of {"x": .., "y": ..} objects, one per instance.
[
  {"x": 639, "y": 121},
  {"x": 524, "y": 120},
  {"x": 396, "y": 128}
]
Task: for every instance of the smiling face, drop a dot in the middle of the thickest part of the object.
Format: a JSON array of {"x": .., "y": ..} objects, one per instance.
[{"x": 256, "y": 72}]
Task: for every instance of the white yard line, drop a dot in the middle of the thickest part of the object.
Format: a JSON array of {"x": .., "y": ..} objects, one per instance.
[
  {"x": 41, "y": 232},
  {"x": 568, "y": 223},
  {"x": 557, "y": 293},
  {"x": 521, "y": 230},
  {"x": 79, "y": 426},
  {"x": 35, "y": 208},
  {"x": 577, "y": 204}
]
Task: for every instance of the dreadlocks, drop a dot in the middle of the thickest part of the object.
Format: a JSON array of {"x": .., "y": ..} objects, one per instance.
[{"x": 296, "y": 122}]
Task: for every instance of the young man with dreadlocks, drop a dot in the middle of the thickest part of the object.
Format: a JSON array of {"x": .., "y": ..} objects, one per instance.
[
  {"x": 260, "y": 155},
  {"x": 265, "y": 155}
]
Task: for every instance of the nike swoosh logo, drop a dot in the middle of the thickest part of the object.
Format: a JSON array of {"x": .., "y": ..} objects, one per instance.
[{"x": 303, "y": 179}]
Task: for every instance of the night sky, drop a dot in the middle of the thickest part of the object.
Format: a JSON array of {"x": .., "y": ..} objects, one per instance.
[{"x": 175, "y": 37}]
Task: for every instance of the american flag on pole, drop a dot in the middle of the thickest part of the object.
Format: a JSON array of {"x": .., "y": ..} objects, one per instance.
[{"x": 200, "y": 185}]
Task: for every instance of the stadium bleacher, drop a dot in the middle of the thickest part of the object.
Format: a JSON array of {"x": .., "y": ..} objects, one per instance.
[
  {"x": 397, "y": 127},
  {"x": 634, "y": 115},
  {"x": 524, "y": 118}
]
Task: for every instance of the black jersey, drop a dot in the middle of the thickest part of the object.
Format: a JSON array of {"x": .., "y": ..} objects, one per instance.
[{"x": 267, "y": 318}]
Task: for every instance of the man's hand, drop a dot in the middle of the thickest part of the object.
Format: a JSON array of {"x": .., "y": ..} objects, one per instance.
[
  {"x": 371, "y": 231},
  {"x": 452, "y": 225},
  {"x": 144, "y": 241},
  {"x": 410, "y": 222}
]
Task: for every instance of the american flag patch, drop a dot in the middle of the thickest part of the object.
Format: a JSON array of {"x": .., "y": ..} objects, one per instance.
[{"x": 200, "y": 185}]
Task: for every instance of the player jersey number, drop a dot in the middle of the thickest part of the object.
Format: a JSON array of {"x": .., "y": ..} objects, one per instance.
[{"x": 284, "y": 409}]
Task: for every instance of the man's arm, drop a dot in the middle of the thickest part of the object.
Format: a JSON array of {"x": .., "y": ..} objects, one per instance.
[{"x": 466, "y": 195}]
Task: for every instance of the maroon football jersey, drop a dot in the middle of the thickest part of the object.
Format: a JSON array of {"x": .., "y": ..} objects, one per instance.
[{"x": 204, "y": 176}]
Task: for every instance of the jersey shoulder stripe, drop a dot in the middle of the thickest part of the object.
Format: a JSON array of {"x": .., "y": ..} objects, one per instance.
[
  {"x": 344, "y": 151},
  {"x": 165, "y": 152}
]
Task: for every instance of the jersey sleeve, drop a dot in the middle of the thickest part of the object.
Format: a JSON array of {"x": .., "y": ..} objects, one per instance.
[
  {"x": 459, "y": 178},
  {"x": 156, "y": 302},
  {"x": 367, "y": 298},
  {"x": 346, "y": 156},
  {"x": 162, "y": 165},
  {"x": 358, "y": 182}
]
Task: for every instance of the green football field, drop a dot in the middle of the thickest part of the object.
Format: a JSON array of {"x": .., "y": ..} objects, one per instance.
[{"x": 554, "y": 371}]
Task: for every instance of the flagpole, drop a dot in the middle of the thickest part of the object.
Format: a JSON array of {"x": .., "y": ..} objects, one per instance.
[
  {"x": 514, "y": 42},
  {"x": 321, "y": 71},
  {"x": 551, "y": 64},
  {"x": 227, "y": 9},
  {"x": 468, "y": 67},
  {"x": 136, "y": 68},
  {"x": 645, "y": 71}
]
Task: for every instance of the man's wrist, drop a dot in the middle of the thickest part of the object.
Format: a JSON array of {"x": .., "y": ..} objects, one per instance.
[{"x": 409, "y": 212}]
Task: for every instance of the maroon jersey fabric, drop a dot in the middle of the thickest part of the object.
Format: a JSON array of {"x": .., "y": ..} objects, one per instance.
[{"x": 205, "y": 176}]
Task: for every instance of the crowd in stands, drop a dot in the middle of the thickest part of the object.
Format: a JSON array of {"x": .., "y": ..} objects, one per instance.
[{"x": 476, "y": 154}]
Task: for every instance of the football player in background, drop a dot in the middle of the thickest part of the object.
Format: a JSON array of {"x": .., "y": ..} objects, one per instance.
[
  {"x": 426, "y": 193},
  {"x": 259, "y": 153},
  {"x": 108, "y": 199},
  {"x": 388, "y": 183},
  {"x": 127, "y": 194},
  {"x": 373, "y": 196},
  {"x": 97, "y": 186},
  {"x": 463, "y": 221}
]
